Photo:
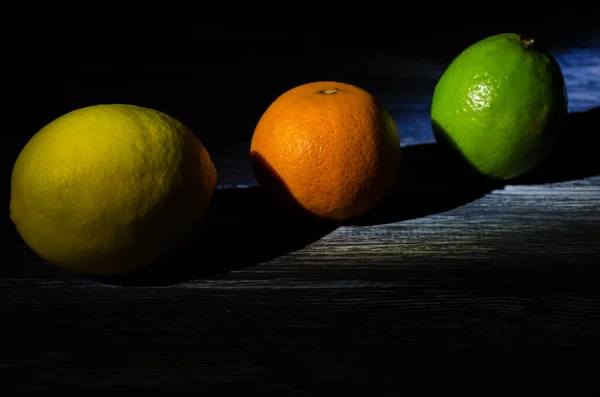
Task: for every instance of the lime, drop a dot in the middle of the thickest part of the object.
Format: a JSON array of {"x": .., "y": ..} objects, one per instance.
[{"x": 501, "y": 104}]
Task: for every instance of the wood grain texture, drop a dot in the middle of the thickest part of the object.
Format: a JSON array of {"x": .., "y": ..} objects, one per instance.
[{"x": 452, "y": 284}]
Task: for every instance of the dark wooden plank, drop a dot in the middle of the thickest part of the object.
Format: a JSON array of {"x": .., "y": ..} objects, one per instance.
[
  {"x": 498, "y": 285},
  {"x": 299, "y": 334}
]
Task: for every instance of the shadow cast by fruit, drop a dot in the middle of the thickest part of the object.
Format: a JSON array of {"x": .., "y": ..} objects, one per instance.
[
  {"x": 575, "y": 155},
  {"x": 241, "y": 229},
  {"x": 433, "y": 179},
  {"x": 275, "y": 190}
]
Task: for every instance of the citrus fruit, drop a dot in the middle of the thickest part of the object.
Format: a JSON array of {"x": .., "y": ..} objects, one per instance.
[
  {"x": 326, "y": 149},
  {"x": 501, "y": 104},
  {"x": 107, "y": 189}
]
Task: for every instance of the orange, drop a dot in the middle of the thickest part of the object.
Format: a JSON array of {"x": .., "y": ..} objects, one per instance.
[{"x": 327, "y": 149}]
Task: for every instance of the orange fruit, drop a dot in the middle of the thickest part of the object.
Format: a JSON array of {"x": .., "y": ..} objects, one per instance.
[{"x": 327, "y": 149}]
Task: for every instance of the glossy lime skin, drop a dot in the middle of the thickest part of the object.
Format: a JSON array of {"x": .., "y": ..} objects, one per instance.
[{"x": 501, "y": 104}]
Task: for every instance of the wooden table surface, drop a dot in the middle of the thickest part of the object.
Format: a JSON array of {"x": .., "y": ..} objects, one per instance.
[{"x": 452, "y": 284}]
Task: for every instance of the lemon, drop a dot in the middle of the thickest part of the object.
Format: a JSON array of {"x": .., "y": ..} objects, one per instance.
[
  {"x": 111, "y": 188},
  {"x": 501, "y": 104}
]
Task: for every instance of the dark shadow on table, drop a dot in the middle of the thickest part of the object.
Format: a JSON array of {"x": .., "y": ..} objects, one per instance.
[
  {"x": 433, "y": 179},
  {"x": 576, "y": 154},
  {"x": 240, "y": 230}
]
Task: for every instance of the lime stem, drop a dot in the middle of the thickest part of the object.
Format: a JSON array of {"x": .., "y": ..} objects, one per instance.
[{"x": 527, "y": 41}]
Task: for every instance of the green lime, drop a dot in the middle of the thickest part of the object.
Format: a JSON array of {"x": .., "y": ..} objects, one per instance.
[{"x": 501, "y": 104}]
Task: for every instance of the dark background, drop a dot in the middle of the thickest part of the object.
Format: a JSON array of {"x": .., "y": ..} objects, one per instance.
[{"x": 218, "y": 81}]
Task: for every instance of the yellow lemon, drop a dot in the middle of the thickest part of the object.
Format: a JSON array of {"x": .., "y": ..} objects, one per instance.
[{"x": 108, "y": 189}]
